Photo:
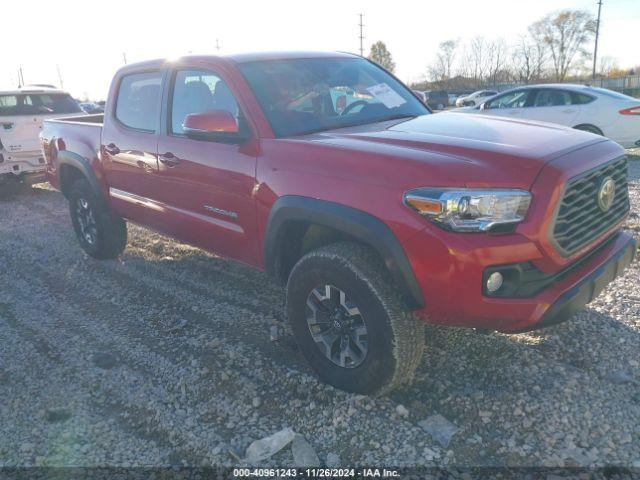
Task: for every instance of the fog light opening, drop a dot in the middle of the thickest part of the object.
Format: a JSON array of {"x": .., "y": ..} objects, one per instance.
[{"x": 494, "y": 282}]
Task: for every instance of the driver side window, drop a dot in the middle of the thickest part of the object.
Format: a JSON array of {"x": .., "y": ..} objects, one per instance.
[
  {"x": 517, "y": 99},
  {"x": 198, "y": 91}
]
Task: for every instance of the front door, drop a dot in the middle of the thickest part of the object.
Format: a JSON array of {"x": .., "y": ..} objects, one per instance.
[
  {"x": 510, "y": 104},
  {"x": 206, "y": 186}
]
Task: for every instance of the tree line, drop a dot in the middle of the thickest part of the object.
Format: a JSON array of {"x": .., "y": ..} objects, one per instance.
[{"x": 557, "y": 47}]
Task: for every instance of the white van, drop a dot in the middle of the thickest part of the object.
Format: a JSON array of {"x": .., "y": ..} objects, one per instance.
[{"x": 21, "y": 114}]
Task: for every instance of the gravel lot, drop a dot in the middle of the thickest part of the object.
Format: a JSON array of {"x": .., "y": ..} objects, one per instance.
[{"x": 164, "y": 358}]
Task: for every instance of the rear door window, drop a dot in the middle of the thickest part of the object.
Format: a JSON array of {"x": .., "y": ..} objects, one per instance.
[
  {"x": 138, "y": 103},
  {"x": 552, "y": 98}
]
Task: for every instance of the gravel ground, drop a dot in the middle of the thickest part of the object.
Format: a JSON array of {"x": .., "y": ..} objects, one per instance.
[{"x": 164, "y": 358}]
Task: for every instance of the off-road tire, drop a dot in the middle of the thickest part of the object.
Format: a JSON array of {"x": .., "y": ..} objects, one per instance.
[
  {"x": 111, "y": 230},
  {"x": 395, "y": 336}
]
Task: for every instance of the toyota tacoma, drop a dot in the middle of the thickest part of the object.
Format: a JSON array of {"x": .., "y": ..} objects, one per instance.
[{"x": 328, "y": 173}]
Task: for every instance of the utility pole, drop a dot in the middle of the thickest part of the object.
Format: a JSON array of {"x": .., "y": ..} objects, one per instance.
[
  {"x": 361, "y": 37},
  {"x": 124, "y": 57},
  {"x": 595, "y": 52},
  {"x": 60, "y": 77},
  {"x": 217, "y": 45},
  {"x": 20, "y": 77}
]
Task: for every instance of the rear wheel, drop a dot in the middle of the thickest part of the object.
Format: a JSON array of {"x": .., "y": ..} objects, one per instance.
[
  {"x": 349, "y": 321},
  {"x": 101, "y": 234},
  {"x": 590, "y": 129}
]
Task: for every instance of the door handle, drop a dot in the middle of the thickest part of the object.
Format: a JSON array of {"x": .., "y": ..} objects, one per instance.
[
  {"x": 144, "y": 165},
  {"x": 568, "y": 110},
  {"x": 169, "y": 159},
  {"x": 112, "y": 149}
]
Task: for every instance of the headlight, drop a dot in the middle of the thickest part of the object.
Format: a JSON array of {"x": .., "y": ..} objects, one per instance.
[{"x": 469, "y": 210}]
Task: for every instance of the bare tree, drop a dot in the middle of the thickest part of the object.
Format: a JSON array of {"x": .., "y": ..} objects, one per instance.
[
  {"x": 607, "y": 65},
  {"x": 495, "y": 60},
  {"x": 382, "y": 56},
  {"x": 441, "y": 69},
  {"x": 566, "y": 34},
  {"x": 529, "y": 58},
  {"x": 476, "y": 59}
]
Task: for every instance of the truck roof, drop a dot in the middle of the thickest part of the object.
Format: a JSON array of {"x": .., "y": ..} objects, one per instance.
[{"x": 240, "y": 58}]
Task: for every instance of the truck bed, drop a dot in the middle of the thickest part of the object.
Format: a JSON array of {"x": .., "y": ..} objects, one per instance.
[
  {"x": 78, "y": 136},
  {"x": 97, "y": 119}
]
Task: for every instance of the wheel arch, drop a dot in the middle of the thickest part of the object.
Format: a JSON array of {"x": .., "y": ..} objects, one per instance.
[
  {"x": 72, "y": 167},
  {"x": 589, "y": 128},
  {"x": 291, "y": 218}
]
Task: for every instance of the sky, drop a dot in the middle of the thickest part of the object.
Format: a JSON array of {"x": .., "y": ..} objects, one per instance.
[{"x": 87, "y": 39}]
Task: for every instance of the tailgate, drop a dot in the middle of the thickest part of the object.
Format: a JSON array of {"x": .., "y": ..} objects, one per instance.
[{"x": 20, "y": 134}]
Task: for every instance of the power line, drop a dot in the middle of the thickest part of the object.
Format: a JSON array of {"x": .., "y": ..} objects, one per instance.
[
  {"x": 361, "y": 37},
  {"x": 595, "y": 51}
]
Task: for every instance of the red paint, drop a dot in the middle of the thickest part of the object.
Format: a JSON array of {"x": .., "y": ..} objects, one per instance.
[
  {"x": 214, "y": 121},
  {"x": 368, "y": 168}
]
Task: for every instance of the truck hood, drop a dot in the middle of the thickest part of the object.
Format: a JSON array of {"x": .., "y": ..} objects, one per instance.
[{"x": 457, "y": 149}]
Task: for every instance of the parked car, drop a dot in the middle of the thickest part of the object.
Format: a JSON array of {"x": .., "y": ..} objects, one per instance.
[
  {"x": 437, "y": 99},
  {"x": 595, "y": 110},
  {"x": 476, "y": 98},
  {"x": 378, "y": 218},
  {"x": 91, "y": 108},
  {"x": 21, "y": 114},
  {"x": 421, "y": 95}
]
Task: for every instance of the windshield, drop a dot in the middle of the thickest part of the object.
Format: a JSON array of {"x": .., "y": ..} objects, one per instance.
[
  {"x": 37, "y": 104},
  {"x": 309, "y": 95}
]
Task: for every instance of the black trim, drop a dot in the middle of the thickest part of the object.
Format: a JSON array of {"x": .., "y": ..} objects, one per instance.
[
  {"x": 74, "y": 160},
  {"x": 524, "y": 280},
  {"x": 589, "y": 287},
  {"x": 355, "y": 223}
]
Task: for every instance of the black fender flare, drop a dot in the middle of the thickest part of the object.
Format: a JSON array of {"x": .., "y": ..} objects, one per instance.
[
  {"x": 67, "y": 158},
  {"x": 357, "y": 224}
]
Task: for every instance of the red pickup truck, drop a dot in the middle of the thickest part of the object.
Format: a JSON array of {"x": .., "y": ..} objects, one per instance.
[{"x": 328, "y": 173}]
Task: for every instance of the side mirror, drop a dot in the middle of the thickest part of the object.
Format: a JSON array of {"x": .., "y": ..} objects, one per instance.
[
  {"x": 214, "y": 125},
  {"x": 483, "y": 106}
]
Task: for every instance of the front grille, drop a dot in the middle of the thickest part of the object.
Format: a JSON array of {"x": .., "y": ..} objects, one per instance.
[{"x": 580, "y": 220}]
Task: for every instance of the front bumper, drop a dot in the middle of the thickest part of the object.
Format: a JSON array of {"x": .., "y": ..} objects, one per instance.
[
  {"x": 589, "y": 287},
  {"x": 451, "y": 283}
]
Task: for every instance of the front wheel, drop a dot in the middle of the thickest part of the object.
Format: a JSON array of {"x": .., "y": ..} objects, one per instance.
[
  {"x": 349, "y": 320},
  {"x": 101, "y": 234}
]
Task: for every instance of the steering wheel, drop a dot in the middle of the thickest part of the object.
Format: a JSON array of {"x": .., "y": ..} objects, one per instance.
[{"x": 353, "y": 105}]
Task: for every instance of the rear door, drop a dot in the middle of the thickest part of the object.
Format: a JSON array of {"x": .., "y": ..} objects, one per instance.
[
  {"x": 207, "y": 186},
  {"x": 129, "y": 146},
  {"x": 553, "y": 105}
]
